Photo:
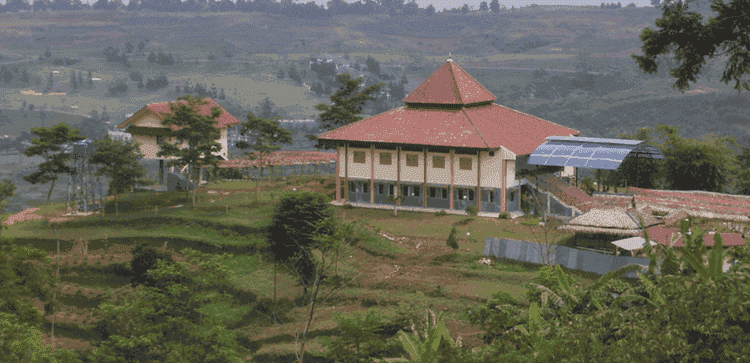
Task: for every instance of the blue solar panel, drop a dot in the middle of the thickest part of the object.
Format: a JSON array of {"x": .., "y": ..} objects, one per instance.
[{"x": 589, "y": 152}]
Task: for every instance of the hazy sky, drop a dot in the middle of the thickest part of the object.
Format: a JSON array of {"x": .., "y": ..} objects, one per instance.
[{"x": 450, "y": 4}]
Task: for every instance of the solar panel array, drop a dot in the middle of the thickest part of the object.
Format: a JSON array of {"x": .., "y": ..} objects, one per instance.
[{"x": 589, "y": 152}]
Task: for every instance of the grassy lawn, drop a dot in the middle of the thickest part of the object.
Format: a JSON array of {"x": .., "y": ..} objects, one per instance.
[{"x": 451, "y": 281}]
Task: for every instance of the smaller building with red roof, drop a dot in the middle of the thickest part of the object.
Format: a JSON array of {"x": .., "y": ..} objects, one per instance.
[{"x": 147, "y": 129}]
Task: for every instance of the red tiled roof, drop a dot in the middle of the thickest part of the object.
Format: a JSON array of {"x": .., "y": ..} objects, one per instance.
[
  {"x": 663, "y": 235},
  {"x": 696, "y": 203},
  {"x": 225, "y": 120},
  {"x": 283, "y": 158},
  {"x": 450, "y": 84},
  {"x": 488, "y": 126}
]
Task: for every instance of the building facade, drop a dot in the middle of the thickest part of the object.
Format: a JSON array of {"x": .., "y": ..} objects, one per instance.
[
  {"x": 147, "y": 129},
  {"x": 450, "y": 147}
]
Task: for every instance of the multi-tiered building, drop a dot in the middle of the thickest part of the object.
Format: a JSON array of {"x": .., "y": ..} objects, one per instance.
[{"x": 450, "y": 147}]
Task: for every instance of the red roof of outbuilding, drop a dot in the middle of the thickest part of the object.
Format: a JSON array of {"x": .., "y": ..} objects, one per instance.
[
  {"x": 451, "y": 85},
  {"x": 489, "y": 126},
  {"x": 663, "y": 235},
  {"x": 225, "y": 120}
]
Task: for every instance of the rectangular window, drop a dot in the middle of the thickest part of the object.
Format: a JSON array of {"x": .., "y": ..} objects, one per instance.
[
  {"x": 359, "y": 157},
  {"x": 492, "y": 153},
  {"x": 365, "y": 187},
  {"x": 445, "y": 193},
  {"x": 433, "y": 192},
  {"x": 464, "y": 163},
  {"x": 385, "y": 158},
  {"x": 460, "y": 194},
  {"x": 438, "y": 162},
  {"x": 158, "y": 139},
  {"x": 471, "y": 194},
  {"x": 391, "y": 189},
  {"x": 412, "y": 160},
  {"x": 415, "y": 190},
  {"x": 492, "y": 196},
  {"x": 513, "y": 195},
  {"x": 381, "y": 188},
  {"x": 405, "y": 190}
]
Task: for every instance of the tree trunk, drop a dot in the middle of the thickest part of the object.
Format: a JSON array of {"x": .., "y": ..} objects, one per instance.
[
  {"x": 117, "y": 207},
  {"x": 309, "y": 318},
  {"x": 49, "y": 194}
]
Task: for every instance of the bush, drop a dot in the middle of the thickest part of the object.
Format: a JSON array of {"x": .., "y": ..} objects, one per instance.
[
  {"x": 471, "y": 210},
  {"x": 360, "y": 339},
  {"x": 348, "y": 206},
  {"x": 230, "y": 173},
  {"x": 145, "y": 259},
  {"x": 441, "y": 213},
  {"x": 452, "y": 242},
  {"x": 504, "y": 215}
]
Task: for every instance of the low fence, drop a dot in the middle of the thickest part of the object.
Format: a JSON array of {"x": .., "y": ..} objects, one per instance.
[{"x": 571, "y": 258}]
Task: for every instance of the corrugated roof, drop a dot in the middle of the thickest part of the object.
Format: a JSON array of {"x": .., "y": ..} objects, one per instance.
[
  {"x": 225, "y": 120},
  {"x": 589, "y": 152},
  {"x": 488, "y": 126},
  {"x": 450, "y": 85}
]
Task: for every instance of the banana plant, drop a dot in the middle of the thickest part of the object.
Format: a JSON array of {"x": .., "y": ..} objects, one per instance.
[
  {"x": 695, "y": 249},
  {"x": 423, "y": 346}
]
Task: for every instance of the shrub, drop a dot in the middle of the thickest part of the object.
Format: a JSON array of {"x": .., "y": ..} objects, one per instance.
[
  {"x": 471, "y": 210},
  {"x": 348, "y": 206},
  {"x": 369, "y": 302},
  {"x": 145, "y": 259},
  {"x": 452, "y": 242},
  {"x": 360, "y": 338},
  {"x": 504, "y": 215},
  {"x": 441, "y": 213}
]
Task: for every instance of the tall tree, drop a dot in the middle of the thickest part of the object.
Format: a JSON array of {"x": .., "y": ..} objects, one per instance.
[
  {"x": 297, "y": 220},
  {"x": 198, "y": 132},
  {"x": 7, "y": 188},
  {"x": 483, "y": 6},
  {"x": 744, "y": 171},
  {"x": 348, "y": 103},
  {"x": 267, "y": 135},
  {"x": 495, "y": 6},
  {"x": 120, "y": 161},
  {"x": 49, "y": 145},
  {"x": 430, "y": 10},
  {"x": 692, "y": 40}
]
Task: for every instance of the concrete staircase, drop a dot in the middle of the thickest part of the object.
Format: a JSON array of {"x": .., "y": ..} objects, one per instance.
[{"x": 563, "y": 193}]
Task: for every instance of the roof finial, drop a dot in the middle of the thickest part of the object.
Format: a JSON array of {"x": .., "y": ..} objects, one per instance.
[{"x": 449, "y": 58}]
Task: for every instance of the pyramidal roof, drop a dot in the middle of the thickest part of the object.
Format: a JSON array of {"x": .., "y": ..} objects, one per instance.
[{"x": 450, "y": 85}]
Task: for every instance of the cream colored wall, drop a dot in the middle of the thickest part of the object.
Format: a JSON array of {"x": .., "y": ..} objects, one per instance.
[
  {"x": 223, "y": 141},
  {"x": 386, "y": 172},
  {"x": 414, "y": 174},
  {"x": 148, "y": 145},
  {"x": 492, "y": 168},
  {"x": 437, "y": 175},
  {"x": 357, "y": 170},
  {"x": 465, "y": 177},
  {"x": 149, "y": 120},
  {"x": 511, "y": 172}
]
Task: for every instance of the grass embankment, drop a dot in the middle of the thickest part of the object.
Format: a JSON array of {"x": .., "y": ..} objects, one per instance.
[{"x": 415, "y": 269}]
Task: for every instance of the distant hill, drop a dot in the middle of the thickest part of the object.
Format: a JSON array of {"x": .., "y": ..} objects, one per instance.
[{"x": 13, "y": 122}]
